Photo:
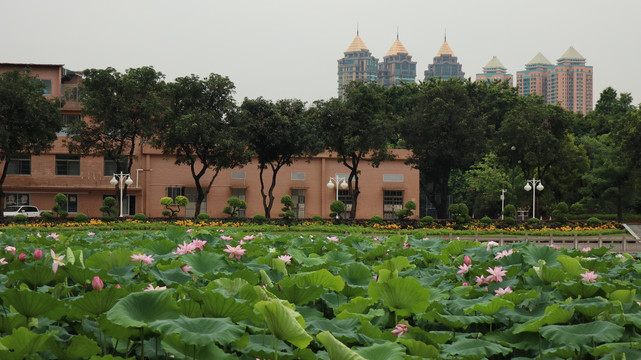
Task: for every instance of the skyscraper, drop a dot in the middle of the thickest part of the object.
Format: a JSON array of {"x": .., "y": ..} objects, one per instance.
[
  {"x": 494, "y": 71},
  {"x": 397, "y": 66},
  {"x": 357, "y": 64},
  {"x": 568, "y": 83},
  {"x": 445, "y": 64}
]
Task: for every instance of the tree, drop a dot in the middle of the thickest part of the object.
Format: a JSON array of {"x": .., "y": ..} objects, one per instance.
[
  {"x": 200, "y": 130},
  {"x": 121, "y": 109},
  {"x": 234, "y": 206},
  {"x": 277, "y": 134},
  {"x": 445, "y": 132},
  {"x": 357, "y": 128},
  {"x": 485, "y": 180},
  {"x": 28, "y": 121}
]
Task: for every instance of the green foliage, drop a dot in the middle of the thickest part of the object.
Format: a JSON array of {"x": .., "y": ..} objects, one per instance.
[
  {"x": 577, "y": 208},
  {"x": 61, "y": 201},
  {"x": 317, "y": 218},
  {"x": 486, "y": 220},
  {"x": 533, "y": 221},
  {"x": 337, "y": 208},
  {"x": 376, "y": 219},
  {"x": 172, "y": 206},
  {"x": 460, "y": 213},
  {"x": 287, "y": 211},
  {"x": 140, "y": 217},
  {"x": 509, "y": 210},
  {"x": 235, "y": 205},
  {"x": 108, "y": 206},
  {"x": 407, "y": 211},
  {"x": 203, "y": 217},
  {"x": 509, "y": 220},
  {"x": 81, "y": 218},
  {"x": 560, "y": 213},
  {"x": 260, "y": 217},
  {"x": 593, "y": 221},
  {"x": 20, "y": 219},
  {"x": 427, "y": 220},
  {"x": 47, "y": 215}
]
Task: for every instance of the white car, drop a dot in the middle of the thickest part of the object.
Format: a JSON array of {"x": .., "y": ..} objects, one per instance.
[{"x": 26, "y": 210}]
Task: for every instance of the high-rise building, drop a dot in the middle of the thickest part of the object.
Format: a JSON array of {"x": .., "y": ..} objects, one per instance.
[
  {"x": 397, "y": 66},
  {"x": 358, "y": 64},
  {"x": 534, "y": 79},
  {"x": 568, "y": 83},
  {"x": 445, "y": 65},
  {"x": 495, "y": 71}
]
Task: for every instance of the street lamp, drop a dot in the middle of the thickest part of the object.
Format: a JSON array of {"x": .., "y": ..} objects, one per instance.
[
  {"x": 513, "y": 153},
  {"x": 503, "y": 191},
  {"x": 121, "y": 176},
  {"x": 337, "y": 182},
  {"x": 530, "y": 184}
]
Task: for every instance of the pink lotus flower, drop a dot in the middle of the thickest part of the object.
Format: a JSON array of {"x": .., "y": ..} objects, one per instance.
[
  {"x": 3, "y": 262},
  {"x": 186, "y": 269},
  {"x": 401, "y": 329},
  {"x": 185, "y": 248},
  {"x": 91, "y": 233},
  {"x": 97, "y": 283},
  {"x": 482, "y": 280},
  {"x": 467, "y": 260},
  {"x": 589, "y": 276},
  {"x": 10, "y": 248},
  {"x": 464, "y": 283},
  {"x": 286, "y": 258},
  {"x": 501, "y": 291},
  {"x": 407, "y": 245},
  {"x": 189, "y": 231},
  {"x": 22, "y": 257},
  {"x": 57, "y": 261},
  {"x": 152, "y": 288},
  {"x": 226, "y": 238},
  {"x": 496, "y": 274},
  {"x": 235, "y": 251},
  {"x": 54, "y": 236},
  {"x": 586, "y": 249},
  {"x": 198, "y": 244},
  {"x": 464, "y": 268},
  {"x": 503, "y": 254},
  {"x": 249, "y": 237},
  {"x": 37, "y": 254},
  {"x": 147, "y": 259},
  {"x": 332, "y": 238},
  {"x": 555, "y": 246},
  {"x": 491, "y": 244}
]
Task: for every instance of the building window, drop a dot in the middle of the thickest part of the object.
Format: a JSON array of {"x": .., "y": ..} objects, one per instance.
[
  {"x": 238, "y": 175},
  {"x": 392, "y": 202},
  {"x": 298, "y": 176},
  {"x": 174, "y": 191},
  {"x": 67, "y": 121},
  {"x": 115, "y": 166},
  {"x": 393, "y": 178},
  {"x": 19, "y": 164},
  {"x": 67, "y": 164},
  {"x": 47, "y": 86},
  {"x": 16, "y": 199},
  {"x": 298, "y": 198},
  {"x": 240, "y": 194},
  {"x": 72, "y": 203}
]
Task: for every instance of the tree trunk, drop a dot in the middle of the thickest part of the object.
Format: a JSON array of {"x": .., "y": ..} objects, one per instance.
[
  {"x": 262, "y": 191},
  {"x": 2, "y": 178}
]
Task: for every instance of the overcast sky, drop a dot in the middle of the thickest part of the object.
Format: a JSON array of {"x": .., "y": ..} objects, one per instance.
[{"x": 289, "y": 48}]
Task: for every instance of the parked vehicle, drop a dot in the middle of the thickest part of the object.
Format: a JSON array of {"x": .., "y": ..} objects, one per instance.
[{"x": 26, "y": 210}]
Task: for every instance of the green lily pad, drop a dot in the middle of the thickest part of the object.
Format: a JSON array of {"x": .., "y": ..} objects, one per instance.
[
  {"x": 406, "y": 296},
  {"x": 283, "y": 322},
  {"x": 140, "y": 309},
  {"x": 336, "y": 349},
  {"x": 200, "y": 331},
  {"x": 583, "y": 334}
]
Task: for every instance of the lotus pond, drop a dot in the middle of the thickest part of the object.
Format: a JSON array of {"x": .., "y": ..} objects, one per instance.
[{"x": 228, "y": 294}]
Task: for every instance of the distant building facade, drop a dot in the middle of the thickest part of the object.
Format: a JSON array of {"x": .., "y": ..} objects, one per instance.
[
  {"x": 495, "y": 71},
  {"x": 357, "y": 64},
  {"x": 569, "y": 83},
  {"x": 445, "y": 65},
  {"x": 397, "y": 66}
]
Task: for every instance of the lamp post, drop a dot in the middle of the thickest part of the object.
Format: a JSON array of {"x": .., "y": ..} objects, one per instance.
[
  {"x": 532, "y": 185},
  {"x": 119, "y": 181},
  {"x": 503, "y": 191},
  {"x": 513, "y": 152},
  {"x": 337, "y": 182}
]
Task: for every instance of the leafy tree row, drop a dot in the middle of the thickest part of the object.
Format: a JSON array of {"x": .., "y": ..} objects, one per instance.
[{"x": 469, "y": 140}]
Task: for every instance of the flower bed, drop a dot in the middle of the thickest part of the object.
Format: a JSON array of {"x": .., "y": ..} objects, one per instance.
[{"x": 227, "y": 294}]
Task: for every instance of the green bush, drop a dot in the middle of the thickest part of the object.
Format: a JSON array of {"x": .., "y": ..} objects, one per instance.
[
  {"x": 317, "y": 218},
  {"x": 533, "y": 221},
  {"x": 509, "y": 210},
  {"x": 509, "y": 220},
  {"x": 407, "y": 212},
  {"x": 593, "y": 221},
  {"x": 287, "y": 209},
  {"x": 172, "y": 206},
  {"x": 376, "y": 220},
  {"x": 260, "y": 218},
  {"x": 81, "y": 218},
  {"x": 107, "y": 218},
  {"x": 47, "y": 215},
  {"x": 140, "y": 217},
  {"x": 235, "y": 205},
  {"x": 203, "y": 217},
  {"x": 486, "y": 220},
  {"x": 560, "y": 213},
  {"x": 20, "y": 219},
  {"x": 60, "y": 200},
  {"x": 337, "y": 207},
  {"x": 108, "y": 206},
  {"x": 577, "y": 208},
  {"x": 427, "y": 220},
  {"x": 460, "y": 213}
]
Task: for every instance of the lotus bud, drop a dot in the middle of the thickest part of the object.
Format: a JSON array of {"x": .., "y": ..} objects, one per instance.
[
  {"x": 97, "y": 284},
  {"x": 37, "y": 254}
]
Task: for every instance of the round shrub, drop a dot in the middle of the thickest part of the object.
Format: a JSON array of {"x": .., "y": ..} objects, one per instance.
[
  {"x": 317, "y": 218},
  {"x": 376, "y": 219},
  {"x": 21, "y": 219},
  {"x": 81, "y": 218},
  {"x": 509, "y": 210},
  {"x": 577, "y": 208},
  {"x": 140, "y": 217},
  {"x": 533, "y": 221},
  {"x": 509, "y": 220},
  {"x": 203, "y": 217},
  {"x": 593, "y": 221},
  {"x": 107, "y": 218},
  {"x": 486, "y": 220},
  {"x": 166, "y": 213},
  {"x": 260, "y": 217},
  {"x": 427, "y": 220},
  {"x": 47, "y": 215}
]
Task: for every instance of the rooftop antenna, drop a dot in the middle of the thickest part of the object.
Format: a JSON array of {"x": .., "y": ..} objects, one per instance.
[
  {"x": 357, "y": 33},
  {"x": 445, "y": 36},
  {"x": 396, "y": 32}
]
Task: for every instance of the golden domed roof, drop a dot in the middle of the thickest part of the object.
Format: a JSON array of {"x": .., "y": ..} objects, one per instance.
[
  {"x": 445, "y": 50},
  {"x": 397, "y": 48},
  {"x": 356, "y": 45}
]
